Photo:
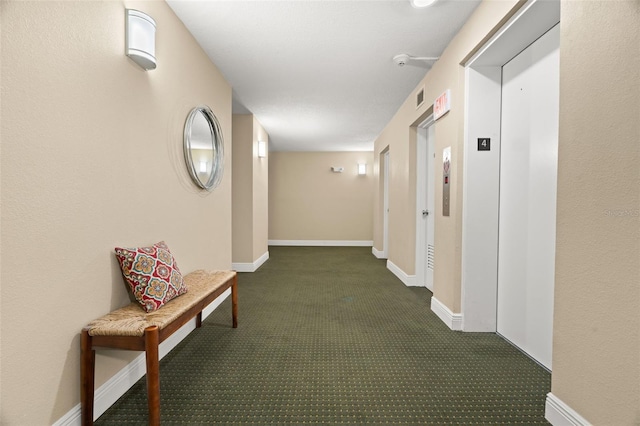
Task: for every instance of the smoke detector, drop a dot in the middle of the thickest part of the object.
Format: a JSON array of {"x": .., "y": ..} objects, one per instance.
[{"x": 403, "y": 59}]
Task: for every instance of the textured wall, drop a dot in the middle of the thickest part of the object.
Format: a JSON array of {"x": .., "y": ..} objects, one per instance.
[
  {"x": 242, "y": 188},
  {"x": 92, "y": 158},
  {"x": 250, "y": 190},
  {"x": 307, "y": 201},
  {"x": 596, "y": 352}
]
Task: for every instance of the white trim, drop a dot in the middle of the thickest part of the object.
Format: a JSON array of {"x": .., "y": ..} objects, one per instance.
[
  {"x": 453, "y": 321},
  {"x": 481, "y": 174},
  {"x": 107, "y": 394},
  {"x": 424, "y": 192},
  {"x": 72, "y": 418},
  {"x": 532, "y": 20},
  {"x": 318, "y": 243},
  {"x": 427, "y": 122},
  {"x": 385, "y": 202},
  {"x": 560, "y": 414},
  {"x": 251, "y": 267},
  {"x": 422, "y": 140},
  {"x": 379, "y": 254},
  {"x": 408, "y": 280}
]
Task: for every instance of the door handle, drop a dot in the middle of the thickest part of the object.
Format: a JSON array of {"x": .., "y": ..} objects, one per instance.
[{"x": 425, "y": 212}]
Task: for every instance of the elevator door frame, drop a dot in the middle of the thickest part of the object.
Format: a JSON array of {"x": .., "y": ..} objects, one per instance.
[{"x": 481, "y": 174}]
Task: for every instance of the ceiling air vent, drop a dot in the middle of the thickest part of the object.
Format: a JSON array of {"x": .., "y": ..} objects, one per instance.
[{"x": 420, "y": 98}]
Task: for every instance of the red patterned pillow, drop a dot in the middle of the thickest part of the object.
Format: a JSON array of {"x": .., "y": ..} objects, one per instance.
[{"x": 152, "y": 274}]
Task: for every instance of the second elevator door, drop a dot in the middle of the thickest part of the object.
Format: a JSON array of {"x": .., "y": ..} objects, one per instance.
[{"x": 528, "y": 179}]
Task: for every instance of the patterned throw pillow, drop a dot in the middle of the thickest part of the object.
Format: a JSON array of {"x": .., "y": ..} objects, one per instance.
[{"x": 152, "y": 274}]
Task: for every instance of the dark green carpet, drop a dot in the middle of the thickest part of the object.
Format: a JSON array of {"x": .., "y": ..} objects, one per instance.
[{"x": 327, "y": 335}]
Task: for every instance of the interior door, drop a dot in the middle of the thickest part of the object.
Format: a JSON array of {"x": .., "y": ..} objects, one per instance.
[
  {"x": 527, "y": 213},
  {"x": 430, "y": 208},
  {"x": 425, "y": 189},
  {"x": 385, "y": 207}
]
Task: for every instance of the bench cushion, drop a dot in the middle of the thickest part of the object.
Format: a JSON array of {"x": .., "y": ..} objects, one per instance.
[{"x": 132, "y": 319}]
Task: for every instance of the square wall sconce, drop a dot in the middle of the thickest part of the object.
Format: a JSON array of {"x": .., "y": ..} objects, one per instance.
[
  {"x": 203, "y": 167},
  {"x": 262, "y": 149},
  {"x": 362, "y": 169},
  {"x": 140, "y": 38}
]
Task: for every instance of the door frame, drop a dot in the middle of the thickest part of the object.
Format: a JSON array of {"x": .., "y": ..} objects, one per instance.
[
  {"x": 481, "y": 170},
  {"x": 422, "y": 181},
  {"x": 385, "y": 203}
]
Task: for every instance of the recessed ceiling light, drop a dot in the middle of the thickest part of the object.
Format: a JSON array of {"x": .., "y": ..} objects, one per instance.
[{"x": 422, "y": 3}]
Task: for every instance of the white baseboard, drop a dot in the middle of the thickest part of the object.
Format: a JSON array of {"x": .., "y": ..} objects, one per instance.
[
  {"x": 107, "y": 394},
  {"x": 560, "y": 414},
  {"x": 408, "y": 280},
  {"x": 453, "y": 321},
  {"x": 320, "y": 243},
  {"x": 379, "y": 254},
  {"x": 251, "y": 267}
]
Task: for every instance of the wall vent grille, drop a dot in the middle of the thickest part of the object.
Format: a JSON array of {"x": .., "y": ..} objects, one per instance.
[
  {"x": 430, "y": 250},
  {"x": 420, "y": 98}
]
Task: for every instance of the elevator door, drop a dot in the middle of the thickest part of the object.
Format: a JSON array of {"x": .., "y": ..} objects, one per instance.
[{"x": 528, "y": 178}]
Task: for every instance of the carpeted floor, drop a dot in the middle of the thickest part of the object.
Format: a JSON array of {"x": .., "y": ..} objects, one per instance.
[{"x": 327, "y": 335}]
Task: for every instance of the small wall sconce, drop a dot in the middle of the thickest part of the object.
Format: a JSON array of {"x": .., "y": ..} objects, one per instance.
[
  {"x": 140, "y": 38},
  {"x": 203, "y": 167},
  {"x": 262, "y": 149},
  {"x": 422, "y": 3},
  {"x": 362, "y": 168}
]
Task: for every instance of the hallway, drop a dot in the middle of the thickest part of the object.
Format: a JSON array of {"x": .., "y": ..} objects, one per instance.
[{"x": 327, "y": 335}]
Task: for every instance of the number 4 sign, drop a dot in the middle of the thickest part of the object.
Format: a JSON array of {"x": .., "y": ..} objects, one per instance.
[{"x": 484, "y": 144}]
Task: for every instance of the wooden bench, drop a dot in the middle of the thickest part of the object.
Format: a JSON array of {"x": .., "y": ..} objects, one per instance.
[{"x": 132, "y": 328}]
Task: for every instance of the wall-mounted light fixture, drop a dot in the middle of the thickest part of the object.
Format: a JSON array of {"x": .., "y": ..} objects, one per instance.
[
  {"x": 140, "y": 38},
  {"x": 362, "y": 168},
  {"x": 203, "y": 167},
  {"x": 262, "y": 149},
  {"x": 422, "y": 3}
]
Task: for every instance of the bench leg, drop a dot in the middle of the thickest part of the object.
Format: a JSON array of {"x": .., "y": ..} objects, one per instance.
[
  {"x": 151, "y": 342},
  {"x": 234, "y": 301},
  {"x": 87, "y": 378}
]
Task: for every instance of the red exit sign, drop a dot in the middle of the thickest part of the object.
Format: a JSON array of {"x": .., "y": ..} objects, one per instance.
[{"x": 442, "y": 105}]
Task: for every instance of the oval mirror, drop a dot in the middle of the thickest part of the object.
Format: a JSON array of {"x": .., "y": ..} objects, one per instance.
[{"x": 204, "y": 148}]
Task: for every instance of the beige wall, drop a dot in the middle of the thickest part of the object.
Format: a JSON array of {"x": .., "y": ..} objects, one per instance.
[
  {"x": 307, "y": 201},
  {"x": 250, "y": 190},
  {"x": 92, "y": 158},
  {"x": 400, "y": 138},
  {"x": 242, "y": 188},
  {"x": 596, "y": 346}
]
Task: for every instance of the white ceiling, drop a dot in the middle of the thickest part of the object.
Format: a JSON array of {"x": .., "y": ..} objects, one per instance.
[{"x": 319, "y": 74}]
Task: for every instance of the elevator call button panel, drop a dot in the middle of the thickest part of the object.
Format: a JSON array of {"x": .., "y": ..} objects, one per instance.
[{"x": 446, "y": 184}]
